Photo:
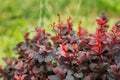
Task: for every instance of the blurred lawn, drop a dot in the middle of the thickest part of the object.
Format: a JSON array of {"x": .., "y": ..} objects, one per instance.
[{"x": 20, "y": 16}]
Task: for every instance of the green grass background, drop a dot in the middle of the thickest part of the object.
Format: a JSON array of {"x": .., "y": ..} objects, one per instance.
[{"x": 20, "y": 16}]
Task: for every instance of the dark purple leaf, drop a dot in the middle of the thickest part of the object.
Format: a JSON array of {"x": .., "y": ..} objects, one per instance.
[
  {"x": 16, "y": 49},
  {"x": 93, "y": 67},
  {"x": 110, "y": 71},
  {"x": 35, "y": 69},
  {"x": 48, "y": 58},
  {"x": 55, "y": 31},
  {"x": 70, "y": 48},
  {"x": 87, "y": 78},
  {"x": 69, "y": 72},
  {"x": 72, "y": 33},
  {"x": 64, "y": 31},
  {"x": 69, "y": 77},
  {"x": 41, "y": 36},
  {"x": 29, "y": 51},
  {"x": 78, "y": 75},
  {"x": 24, "y": 46},
  {"x": 118, "y": 65},
  {"x": 42, "y": 68},
  {"x": 116, "y": 56},
  {"x": 64, "y": 37},
  {"x": 59, "y": 70},
  {"x": 49, "y": 68},
  {"x": 73, "y": 39},
  {"x": 42, "y": 48},
  {"x": 19, "y": 44},
  {"x": 54, "y": 77},
  {"x": 39, "y": 57},
  {"x": 95, "y": 74}
]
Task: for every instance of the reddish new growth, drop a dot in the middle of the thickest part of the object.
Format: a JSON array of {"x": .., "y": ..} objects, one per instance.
[{"x": 68, "y": 54}]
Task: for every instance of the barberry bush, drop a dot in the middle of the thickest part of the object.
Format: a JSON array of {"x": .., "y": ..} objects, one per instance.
[{"x": 67, "y": 54}]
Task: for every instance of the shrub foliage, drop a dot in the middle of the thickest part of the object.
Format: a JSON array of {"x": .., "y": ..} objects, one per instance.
[{"x": 68, "y": 54}]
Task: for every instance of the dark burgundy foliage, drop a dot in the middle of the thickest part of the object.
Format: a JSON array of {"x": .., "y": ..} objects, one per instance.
[{"x": 68, "y": 54}]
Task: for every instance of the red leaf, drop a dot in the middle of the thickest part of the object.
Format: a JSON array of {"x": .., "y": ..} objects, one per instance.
[
  {"x": 75, "y": 47},
  {"x": 26, "y": 35},
  {"x": 86, "y": 55},
  {"x": 96, "y": 49},
  {"x": 99, "y": 21},
  {"x": 63, "y": 53},
  {"x": 81, "y": 32},
  {"x": 35, "y": 70},
  {"x": 8, "y": 61},
  {"x": 32, "y": 78},
  {"x": 93, "y": 41},
  {"x": 58, "y": 71},
  {"x": 23, "y": 77},
  {"x": 115, "y": 67},
  {"x": 54, "y": 39},
  {"x": 20, "y": 65},
  {"x": 65, "y": 47},
  {"x": 37, "y": 33},
  {"x": 46, "y": 79},
  {"x": 17, "y": 77},
  {"x": 44, "y": 32},
  {"x": 69, "y": 38},
  {"x": 61, "y": 41}
]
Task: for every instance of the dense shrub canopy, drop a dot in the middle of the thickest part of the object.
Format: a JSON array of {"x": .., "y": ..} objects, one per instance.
[{"x": 68, "y": 54}]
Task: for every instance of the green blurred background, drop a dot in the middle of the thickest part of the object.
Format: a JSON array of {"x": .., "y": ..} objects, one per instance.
[{"x": 20, "y": 16}]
